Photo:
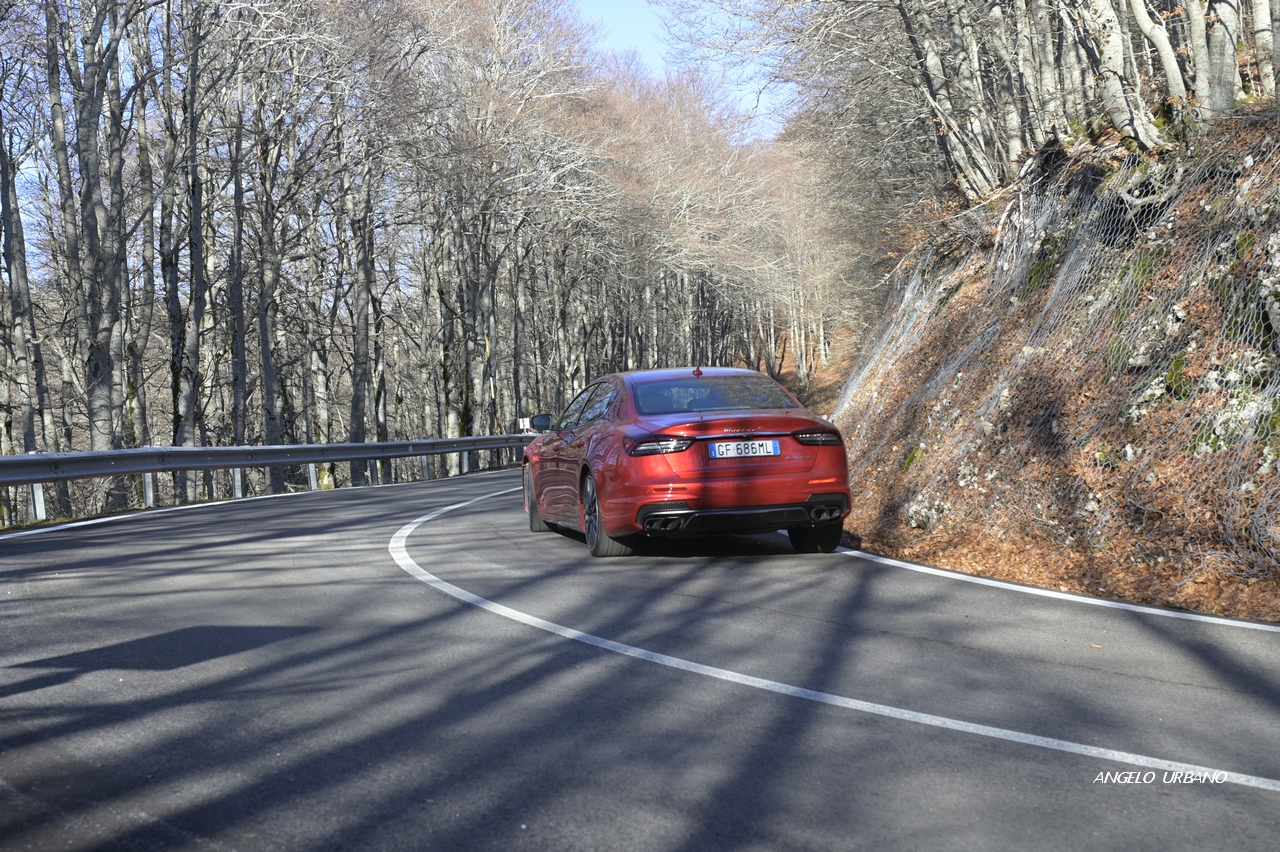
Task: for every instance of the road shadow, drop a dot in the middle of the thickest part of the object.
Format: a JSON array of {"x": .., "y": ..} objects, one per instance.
[
  {"x": 404, "y": 719},
  {"x": 767, "y": 544},
  {"x": 173, "y": 649}
]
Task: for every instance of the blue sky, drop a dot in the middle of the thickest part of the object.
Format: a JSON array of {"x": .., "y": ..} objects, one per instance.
[
  {"x": 636, "y": 25},
  {"x": 628, "y": 25}
]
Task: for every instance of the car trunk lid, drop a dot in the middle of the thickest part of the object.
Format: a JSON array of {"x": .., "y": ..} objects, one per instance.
[{"x": 742, "y": 432}]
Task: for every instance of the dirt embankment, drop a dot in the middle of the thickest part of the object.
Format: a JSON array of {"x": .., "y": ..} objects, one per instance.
[{"x": 1078, "y": 388}]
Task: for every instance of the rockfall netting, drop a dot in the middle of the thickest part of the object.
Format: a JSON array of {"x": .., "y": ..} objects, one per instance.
[{"x": 1093, "y": 365}]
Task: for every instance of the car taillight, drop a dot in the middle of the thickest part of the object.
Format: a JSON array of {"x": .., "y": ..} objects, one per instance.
[
  {"x": 818, "y": 438},
  {"x": 656, "y": 446}
]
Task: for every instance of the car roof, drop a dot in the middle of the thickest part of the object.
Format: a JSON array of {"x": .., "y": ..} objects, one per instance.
[{"x": 685, "y": 372}]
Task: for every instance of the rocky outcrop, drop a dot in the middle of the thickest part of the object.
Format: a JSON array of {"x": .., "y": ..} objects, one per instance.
[{"x": 1088, "y": 368}]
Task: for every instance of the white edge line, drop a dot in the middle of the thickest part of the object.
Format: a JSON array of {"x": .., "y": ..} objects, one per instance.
[
  {"x": 1064, "y": 596},
  {"x": 400, "y": 554},
  {"x": 229, "y": 501},
  {"x": 140, "y": 513}
]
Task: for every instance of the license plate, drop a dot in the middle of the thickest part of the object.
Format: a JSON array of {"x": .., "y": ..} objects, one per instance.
[{"x": 742, "y": 449}]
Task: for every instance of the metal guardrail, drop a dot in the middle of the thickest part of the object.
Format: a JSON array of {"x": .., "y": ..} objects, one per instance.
[
  {"x": 33, "y": 469},
  {"x": 51, "y": 467}
]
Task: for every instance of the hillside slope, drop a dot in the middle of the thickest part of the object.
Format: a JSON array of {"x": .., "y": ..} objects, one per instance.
[{"x": 1078, "y": 387}]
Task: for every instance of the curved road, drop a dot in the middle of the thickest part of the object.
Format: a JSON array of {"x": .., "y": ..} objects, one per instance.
[{"x": 407, "y": 667}]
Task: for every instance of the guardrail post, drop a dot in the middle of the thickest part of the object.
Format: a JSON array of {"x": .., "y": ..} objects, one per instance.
[
  {"x": 37, "y": 500},
  {"x": 237, "y": 482},
  {"x": 313, "y": 481},
  {"x": 148, "y": 490},
  {"x": 428, "y": 467},
  {"x": 466, "y": 462},
  {"x": 373, "y": 472}
]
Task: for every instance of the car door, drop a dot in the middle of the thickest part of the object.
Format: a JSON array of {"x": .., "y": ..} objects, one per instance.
[
  {"x": 593, "y": 420},
  {"x": 558, "y": 487}
]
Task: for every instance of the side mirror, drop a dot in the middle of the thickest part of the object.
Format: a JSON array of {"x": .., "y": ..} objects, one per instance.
[{"x": 540, "y": 422}]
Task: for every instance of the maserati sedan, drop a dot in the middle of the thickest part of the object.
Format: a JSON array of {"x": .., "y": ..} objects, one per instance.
[{"x": 686, "y": 452}]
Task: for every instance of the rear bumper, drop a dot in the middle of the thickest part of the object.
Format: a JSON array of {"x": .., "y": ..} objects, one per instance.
[{"x": 679, "y": 519}]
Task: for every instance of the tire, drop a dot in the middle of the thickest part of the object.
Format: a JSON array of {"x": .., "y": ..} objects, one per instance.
[
  {"x": 536, "y": 524},
  {"x": 822, "y": 539},
  {"x": 598, "y": 541}
]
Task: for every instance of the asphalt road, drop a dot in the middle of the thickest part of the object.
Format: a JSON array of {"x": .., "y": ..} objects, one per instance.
[{"x": 300, "y": 673}]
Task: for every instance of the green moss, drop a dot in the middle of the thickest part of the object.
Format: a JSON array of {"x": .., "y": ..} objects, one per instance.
[
  {"x": 1217, "y": 210},
  {"x": 1048, "y": 258},
  {"x": 1107, "y": 457},
  {"x": 1239, "y": 295},
  {"x": 1145, "y": 263},
  {"x": 1270, "y": 431},
  {"x": 1207, "y": 439},
  {"x": 1242, "y": 321},
  {"x": 1116, "y": 359},
  {"x": 1229, "y": 430},
  {"x": 912, "y": 457},
  {"x": 946, "y": 296},
  {"x": 1135, "y": 276},
  {"x": 1176, "y": 383}
]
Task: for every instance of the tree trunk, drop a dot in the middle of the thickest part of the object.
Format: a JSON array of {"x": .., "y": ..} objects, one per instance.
[
  {"x": 237, "y": 327},
  {"x": 187, "y": 414},
  {"x": 1103, "y": 42},
  {"x": 1011, "y": 85},
  {"x": 1049, "y": 85},
  {"x": 1264, "y": 46},
  {"x": 268, "y": 309},
  {"x": 359, "y": 217},
  {"x": 1159, "y": 39},
  {"x": 142, "y": 312},
  {"x": 963, "y": 153},
  {"x": 1273, "y": 17},
  {"x": 314, "y": 329},
  {"x": 1224, "y": 66},
  {"x": 22, "y": 321},
  {"x": 102, "y": 297}
]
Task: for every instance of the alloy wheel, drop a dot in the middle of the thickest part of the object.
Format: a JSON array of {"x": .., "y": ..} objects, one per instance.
[{"x": 590, "y": 513}]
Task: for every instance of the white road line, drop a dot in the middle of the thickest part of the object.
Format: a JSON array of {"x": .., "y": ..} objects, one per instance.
[
  {"x": 1064, "y": 596},
  {"x": 141, "y": 513},
  {"x": 402, "y": 558},
  {"x": 230, "y": 501}
]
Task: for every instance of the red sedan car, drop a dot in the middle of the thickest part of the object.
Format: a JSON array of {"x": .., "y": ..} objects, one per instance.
[{"x": 683, "y": 453}]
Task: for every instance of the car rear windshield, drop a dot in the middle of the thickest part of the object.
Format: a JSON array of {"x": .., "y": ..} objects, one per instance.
[{"x": 709, "y": 393}]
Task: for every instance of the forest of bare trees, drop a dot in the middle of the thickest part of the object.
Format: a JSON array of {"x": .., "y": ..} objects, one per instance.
[
  {"x": 897, "y": 87},
  {"x": 231, "y": 222},
  {"x": 1046, "y": 398}
]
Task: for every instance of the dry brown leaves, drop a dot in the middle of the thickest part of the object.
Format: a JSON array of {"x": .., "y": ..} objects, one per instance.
[{"x": 1053, "y": 486}]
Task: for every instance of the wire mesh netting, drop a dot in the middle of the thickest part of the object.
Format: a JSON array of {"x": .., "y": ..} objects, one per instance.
[{"x": 1098, "y": 372}]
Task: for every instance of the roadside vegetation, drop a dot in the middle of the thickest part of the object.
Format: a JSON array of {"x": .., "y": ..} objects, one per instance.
[
  {"x": 234, "y": 222},
  {"x": 1108, "y": 424},
  {"x": 1039, "y": 236},
  {"x": 1074, "y": 382}
]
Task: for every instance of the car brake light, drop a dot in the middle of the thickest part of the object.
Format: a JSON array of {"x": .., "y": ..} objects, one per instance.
[
  {"x": 818, "y": 438},
  {"x": 656, "y": 446}
]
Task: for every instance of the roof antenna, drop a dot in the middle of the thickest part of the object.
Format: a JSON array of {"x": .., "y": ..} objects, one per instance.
[{"x": 697, "y": 372}]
